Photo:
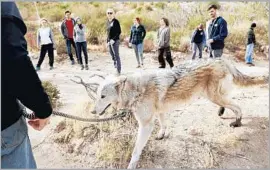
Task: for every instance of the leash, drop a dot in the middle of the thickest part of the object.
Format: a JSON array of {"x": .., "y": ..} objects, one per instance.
[{"x": 121, "y": 115}]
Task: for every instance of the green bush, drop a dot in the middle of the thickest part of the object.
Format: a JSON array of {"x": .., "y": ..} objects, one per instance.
[
  {"x": 160, "y": 5},
  {"x": 53, "y": 93}
]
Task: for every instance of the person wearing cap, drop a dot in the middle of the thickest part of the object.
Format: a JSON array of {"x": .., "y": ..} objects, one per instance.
[
  {"x": 113, "y": 38},
  {"x": 137, "y": 35},
  {"x": 45, "y": 42},
  {"x": 198, "y": 41},
  {"x": 217, "y": 32},
  {"x": 20, "y": 86},
  {"x": 80, "y": 40},
  {"x": 67, "y": 28},
  {"x": 251, "y": 41}
]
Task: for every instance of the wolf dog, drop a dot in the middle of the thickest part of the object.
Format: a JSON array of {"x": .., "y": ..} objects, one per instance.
[{"x": 150, "y": 94}]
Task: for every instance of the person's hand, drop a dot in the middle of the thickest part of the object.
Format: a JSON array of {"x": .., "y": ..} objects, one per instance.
[
  {"x": 129, "y": 44},
  {"x": 112, "y": 41},
  {"x": 39, "y": 124},
  {"x": 210, "y": 41}
]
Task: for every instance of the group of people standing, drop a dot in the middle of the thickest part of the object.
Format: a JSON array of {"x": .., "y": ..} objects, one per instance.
[{"x": 74, "y": 32}]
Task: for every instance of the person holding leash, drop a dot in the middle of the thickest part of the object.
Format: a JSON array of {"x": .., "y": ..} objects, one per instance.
[
  {"x": 137, "y": 35},
  {"x": 113, "y": 38},
  {"x": 20, "y": 85},
  {"x": 45, "y": 42}
]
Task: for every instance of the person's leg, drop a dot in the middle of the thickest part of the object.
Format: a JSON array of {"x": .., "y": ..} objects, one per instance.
[
  {"x": 210, "y": 52},
  {"x": 112, "y": 55},
  {"x": 75, "y": 48},
  {"x": 51, "y": 55},
  {"x": 200, "y": 47},
  {"x": 140, "y": 51},
  {"x": 169, "y": 56},
  {"x": 117, "y": 57},
  {"x": 42, "y": 55},
  {"x": 217, "y": 53},
  {"x": 161, "y": 58},
  {"x": 16, "y": 151},
  {"x": 135, "y": 47},
  {"x": 194, "y": 49},
  {"x": 84, "y": 48},
  {"x": 79, "y": 51},
  {"x": 249, "y": 52},
  {"x": 68, "y": 45}
]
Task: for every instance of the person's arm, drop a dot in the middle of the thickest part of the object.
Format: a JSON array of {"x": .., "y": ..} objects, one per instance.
[
  {"x": 52, "y": 38},
  {"x": 74, "y": 34},
  {"x": 130, "y": 37},
  {"x": 20, "y": 74},
  {"x": 223, "y": 32},
  {"x": 62, "y": 30},
  {"x": 253, "y": 38},
  {"x": 38, "y": 38},
  {"x": 204, "y": 39},
  {"x": 167, "y": 36},
  {"x": 144, "y": 32}
]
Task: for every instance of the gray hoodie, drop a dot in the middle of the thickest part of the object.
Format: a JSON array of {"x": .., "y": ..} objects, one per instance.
[
  {"x": 163, "y": 37},
  {"x": 79, "y": 34}
]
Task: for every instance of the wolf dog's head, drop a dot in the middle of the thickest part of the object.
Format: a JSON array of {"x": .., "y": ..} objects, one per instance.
[{"x": 108, "y": 93}]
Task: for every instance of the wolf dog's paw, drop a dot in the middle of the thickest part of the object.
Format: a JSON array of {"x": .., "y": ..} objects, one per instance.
[{"x": 235, "y": 124}]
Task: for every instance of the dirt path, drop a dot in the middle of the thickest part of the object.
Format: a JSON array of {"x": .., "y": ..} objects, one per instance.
[{"x": 197, "y": 137}]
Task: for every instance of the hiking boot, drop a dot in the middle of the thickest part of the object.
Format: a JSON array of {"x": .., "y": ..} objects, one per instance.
[
  {"x": 72, "y": 62},
  {"x": 86, "y": 67},
  {"x": 51, "y": 67},
  {"x": 37, "y": 68},
  {"x": 82, "y": 67}
]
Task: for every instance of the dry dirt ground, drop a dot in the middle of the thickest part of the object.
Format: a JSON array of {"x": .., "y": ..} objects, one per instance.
[{"x": 196, "y": 136}]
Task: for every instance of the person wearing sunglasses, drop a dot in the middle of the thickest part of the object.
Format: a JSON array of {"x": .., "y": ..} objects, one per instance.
[{"x": 113, "y": 38}]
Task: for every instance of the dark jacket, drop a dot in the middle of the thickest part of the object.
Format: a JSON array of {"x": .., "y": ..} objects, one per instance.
[
  {"x": 113, "y": 30},
  {"x": 251, "y": 36},
  {"x": 137, "y": 35},
  {"x": 198, "y": 37},
  {"x": 218, "y": 31},
  {"x": 20, "y": 81},
  {"x": 64, "y": 29}
]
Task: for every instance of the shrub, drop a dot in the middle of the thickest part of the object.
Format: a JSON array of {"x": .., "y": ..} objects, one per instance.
[
  {"x": 160, "y": 5},
  {"x": 53, "y": 93}
]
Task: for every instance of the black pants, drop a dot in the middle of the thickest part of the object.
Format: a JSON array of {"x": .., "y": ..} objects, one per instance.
[
  {"x": 167, "y": 52},
  {"x": 69, "y": 42},
  {"x": 82, "y": 46},
  {"x": 44, "y": 49}
]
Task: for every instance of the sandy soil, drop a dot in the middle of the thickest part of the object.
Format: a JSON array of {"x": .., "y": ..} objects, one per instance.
[{"x": 196, "y": 136}]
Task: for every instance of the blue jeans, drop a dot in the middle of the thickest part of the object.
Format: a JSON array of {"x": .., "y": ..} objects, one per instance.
[
  {"x": 82, "y": 46},
  {"x": 249, "y": 52},
  {"x": 70, "y": 42},
  {"x": 114, "y": 51},
  {"x": 16, "y": 151},
  {"x": 138, "y": 48}
]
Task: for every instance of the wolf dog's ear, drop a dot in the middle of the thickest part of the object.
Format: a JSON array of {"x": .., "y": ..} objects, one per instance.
[{"x": 119, "y": 82}]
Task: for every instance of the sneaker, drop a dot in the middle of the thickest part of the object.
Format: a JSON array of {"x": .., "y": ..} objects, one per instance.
[
  {"x": 51, "y": 67},
  {"x": 138, "y": 66},
  {"x": 82, "y": 67},
  {"x": 37, "y": 68},
  {"x": 86, "y": 67},
  {"x": 72, "y": 62}
]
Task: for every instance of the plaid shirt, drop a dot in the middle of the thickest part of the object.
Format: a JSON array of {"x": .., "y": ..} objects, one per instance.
[{"x": 137, "y": 34}]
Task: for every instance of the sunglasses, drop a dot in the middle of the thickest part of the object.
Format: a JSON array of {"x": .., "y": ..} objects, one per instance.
[{"x": 109, "y": 13}]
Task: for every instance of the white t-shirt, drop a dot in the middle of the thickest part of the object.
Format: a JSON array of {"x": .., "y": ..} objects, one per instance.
[{"x": 44, "y": 35}]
